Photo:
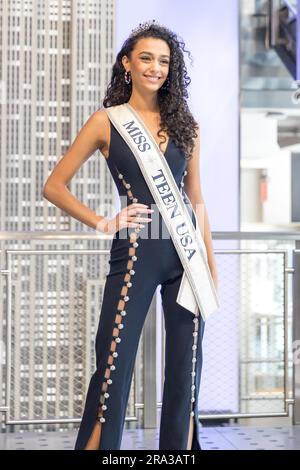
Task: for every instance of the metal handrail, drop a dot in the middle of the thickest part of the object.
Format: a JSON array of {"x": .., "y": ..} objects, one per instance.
[{"x": 217, "y": 235}]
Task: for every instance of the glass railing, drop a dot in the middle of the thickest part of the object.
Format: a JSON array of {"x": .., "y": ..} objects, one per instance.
[{"x": 52, "y": 286}]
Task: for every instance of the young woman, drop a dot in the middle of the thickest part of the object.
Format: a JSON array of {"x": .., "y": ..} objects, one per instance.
[{"x": 150, "y": 75}]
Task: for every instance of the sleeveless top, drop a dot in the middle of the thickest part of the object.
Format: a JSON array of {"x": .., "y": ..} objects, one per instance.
[{"x": 121, "y": 160}]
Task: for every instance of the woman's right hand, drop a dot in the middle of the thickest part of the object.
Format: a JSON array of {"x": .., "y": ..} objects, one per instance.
[{"x": 129, "y": 216}]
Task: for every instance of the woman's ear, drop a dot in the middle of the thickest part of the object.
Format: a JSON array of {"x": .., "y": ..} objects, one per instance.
[{"x": 124, "y": 60}]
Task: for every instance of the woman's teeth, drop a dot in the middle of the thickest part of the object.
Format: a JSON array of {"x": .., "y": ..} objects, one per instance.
[{"x": 152, "y": 79}]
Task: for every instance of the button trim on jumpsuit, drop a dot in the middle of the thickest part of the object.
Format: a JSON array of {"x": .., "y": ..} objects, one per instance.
[{"x": 123, "y": 312}]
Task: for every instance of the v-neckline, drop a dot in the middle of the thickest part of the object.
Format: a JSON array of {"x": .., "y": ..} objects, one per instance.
[{"x": 148, "y": 130}]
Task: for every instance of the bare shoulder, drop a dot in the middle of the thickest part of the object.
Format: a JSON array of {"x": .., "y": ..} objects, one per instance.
[{"x": 102, "y": 125}]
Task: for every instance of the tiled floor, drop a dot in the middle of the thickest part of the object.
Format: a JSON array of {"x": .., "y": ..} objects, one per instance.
[{"x": 212, "y": 438}]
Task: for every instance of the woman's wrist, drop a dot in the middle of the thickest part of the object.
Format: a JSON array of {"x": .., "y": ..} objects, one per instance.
[
  {"x": 101, "y": 224},
  {"x": 214, "y": 276},
  {"x": 214, "y": 272},
  {"x": 213, "y": 269}
]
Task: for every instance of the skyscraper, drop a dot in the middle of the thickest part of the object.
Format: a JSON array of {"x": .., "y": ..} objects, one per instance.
[
  {"x": 55, "y": 63},
  {"x": 56, "y": 58}
]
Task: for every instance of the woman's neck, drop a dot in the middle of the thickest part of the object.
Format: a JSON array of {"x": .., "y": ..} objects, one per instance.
[{"x": 144, "y": 105}]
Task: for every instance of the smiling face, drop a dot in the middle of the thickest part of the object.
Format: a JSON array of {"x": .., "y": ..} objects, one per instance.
[{"x": 149, "y": 64}]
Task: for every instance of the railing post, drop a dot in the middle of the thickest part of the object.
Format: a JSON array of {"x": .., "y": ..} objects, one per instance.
[
  {"x": 149, "y": 366},
  {"x": 296, "y": 333}
]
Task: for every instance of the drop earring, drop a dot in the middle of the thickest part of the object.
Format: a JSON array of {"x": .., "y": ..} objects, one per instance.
[{"x": 127, "y": 77}]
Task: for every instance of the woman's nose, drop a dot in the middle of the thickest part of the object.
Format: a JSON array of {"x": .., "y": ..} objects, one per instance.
[{"x": 155, "y": 67}]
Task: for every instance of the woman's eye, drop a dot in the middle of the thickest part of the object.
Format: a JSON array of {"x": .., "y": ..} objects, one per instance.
[{"x": 148, "y": 58}]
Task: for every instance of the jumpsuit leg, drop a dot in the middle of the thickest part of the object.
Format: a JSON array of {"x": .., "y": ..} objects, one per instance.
[
  {"x": 183, "y": 364},
  {"x": 126, "y": 300}
]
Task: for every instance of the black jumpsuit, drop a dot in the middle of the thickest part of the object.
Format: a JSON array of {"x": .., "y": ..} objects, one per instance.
[{"x": 138, "y": 264}]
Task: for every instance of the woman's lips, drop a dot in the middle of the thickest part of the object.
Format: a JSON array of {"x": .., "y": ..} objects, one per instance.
[{"x": 152, "y": 79}]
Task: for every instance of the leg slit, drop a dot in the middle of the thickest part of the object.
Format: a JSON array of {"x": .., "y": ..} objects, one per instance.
[
  {"x": 95, "y": 438},
  {"x": 191, "y": 433},
  {"x": 193, "y": 438}
]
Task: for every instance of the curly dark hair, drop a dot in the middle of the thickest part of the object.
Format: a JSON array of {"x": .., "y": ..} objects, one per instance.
[{"x": 176, "y": 118}]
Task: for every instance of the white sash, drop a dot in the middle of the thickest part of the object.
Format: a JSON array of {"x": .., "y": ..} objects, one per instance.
[{"x": 197, "y": 289}]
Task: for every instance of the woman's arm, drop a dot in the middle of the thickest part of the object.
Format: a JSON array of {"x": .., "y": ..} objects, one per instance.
[
  {"x": 87, "y": 141},
  {"x": 192, "y": 186}
]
